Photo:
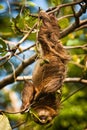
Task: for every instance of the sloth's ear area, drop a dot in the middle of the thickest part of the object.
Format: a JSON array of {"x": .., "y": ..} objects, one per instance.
[{"x": 44, "y": 16}]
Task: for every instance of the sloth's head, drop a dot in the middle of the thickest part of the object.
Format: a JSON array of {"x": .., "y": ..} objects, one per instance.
[{"x": 45, "y": 114}]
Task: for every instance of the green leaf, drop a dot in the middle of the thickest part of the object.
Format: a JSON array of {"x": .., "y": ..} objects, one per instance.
[
  {"x": 4, "y": 123},
  {"x": 44, "y": 61},
  {"x": 31, "y": 3},
  {"x": 56, "y": 2},
  {"x": 63, "y": 23},
  {"x": 1, "y": 7},
  {"x": 73, "y": 42},
  {"x": 23, "y": 22}
]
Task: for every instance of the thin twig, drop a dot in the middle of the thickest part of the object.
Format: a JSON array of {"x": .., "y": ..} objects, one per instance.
[
  {"x": 72, "y": 93},
  {"x": 27, "y": 34},
  {"x": 19, "y": 124},
  {"x": 10, "y": 54},
  {"x": 78, "y": 80},
  {"x": 67, "y": 80},
  {"x": 13, "y": 70},
  {"x": 84, "y": 47},
  {"x": 75, "y": 16},
  {"x": 64, "y": 5},
  {"x": 66, "y": 16},
  {"x": 81, "y": 27},
  {"x": 20, "y": 78},
  {"x": 77, "y": 64}
]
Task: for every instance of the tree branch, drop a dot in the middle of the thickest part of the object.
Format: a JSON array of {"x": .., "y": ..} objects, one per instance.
[
  {"x": 71, "y": 28},
  {"x": 55, "y": 9},
  {"x": 76, "y": 80},
  {"x": 10, "y": 78},
  {"x": 67, "y": 80},
  {"x": 16, "y": 45},
  {"x": 84, "y": 47},
  {"x": 74, "y": 26},
  {"x": 10, "y": 54}
]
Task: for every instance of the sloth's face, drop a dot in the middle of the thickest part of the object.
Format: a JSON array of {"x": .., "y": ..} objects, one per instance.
[{"x": 44, "y": 115}]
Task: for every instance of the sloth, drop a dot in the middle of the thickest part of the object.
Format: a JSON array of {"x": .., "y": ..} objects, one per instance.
[{"x": 41, "y": 94}]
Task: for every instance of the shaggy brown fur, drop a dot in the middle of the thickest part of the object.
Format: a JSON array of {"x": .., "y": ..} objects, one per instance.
[{"x": 48, "y": 77}]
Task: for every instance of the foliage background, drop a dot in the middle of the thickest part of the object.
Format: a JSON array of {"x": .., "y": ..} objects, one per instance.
[{"x": 14, "y": 18}]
